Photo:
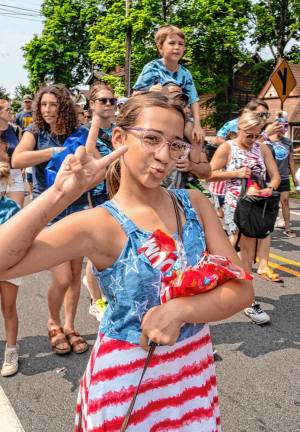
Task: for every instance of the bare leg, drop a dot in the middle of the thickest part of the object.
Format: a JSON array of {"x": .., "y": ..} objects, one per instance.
[
  {"x": 9, "y": 311},
  {"x": 247, "y": 251},
  {"x": 17, "y": 196},
  {"x": 93, "y": 286},
  {"x": 284, "y": 199},
  {"x": 72, "y": 294},
  {"x": 61, "y": 280},
  {"x": 263, "y": 250}
]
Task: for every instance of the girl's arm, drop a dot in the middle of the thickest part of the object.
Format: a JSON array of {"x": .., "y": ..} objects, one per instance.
[
  {"x": 271, "y": 166},
  {"x": 25, "y": 156},
  {"x": 20, "y": 235},
  {"x": 162, "y": 324},
  {"x": 292, "y": 168},
  {"x": 220, "y": 160}
]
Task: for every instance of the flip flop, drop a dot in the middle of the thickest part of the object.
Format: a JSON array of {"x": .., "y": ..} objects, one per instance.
[{"x": 270, "y": 276}]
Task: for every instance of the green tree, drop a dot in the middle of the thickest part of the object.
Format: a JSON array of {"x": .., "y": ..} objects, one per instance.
[
  {"x": 277, "y": 25},
  {"x": 60, "y": 54},
  {"x": 4, "y": 94},
  {"x": 215, "y": 32},
  {"x": 21, "y": 90}
]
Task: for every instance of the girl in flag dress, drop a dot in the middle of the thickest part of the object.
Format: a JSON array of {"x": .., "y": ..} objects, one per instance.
[{"x": 178, "y": 392}]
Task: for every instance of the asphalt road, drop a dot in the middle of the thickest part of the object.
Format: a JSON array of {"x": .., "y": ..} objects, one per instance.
[{"x": 257, "y": 369}]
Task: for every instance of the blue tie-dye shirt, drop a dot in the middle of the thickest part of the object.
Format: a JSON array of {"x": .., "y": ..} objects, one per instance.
[{"x": 156, "y": 72}]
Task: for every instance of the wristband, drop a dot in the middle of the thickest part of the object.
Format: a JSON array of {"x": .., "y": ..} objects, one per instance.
[{"x": 55, "y": 150}]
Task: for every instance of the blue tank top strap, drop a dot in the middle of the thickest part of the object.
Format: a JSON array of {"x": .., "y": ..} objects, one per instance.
[
  {"x": 126, "y": 224},
  {"x": 184, "y": 200}
]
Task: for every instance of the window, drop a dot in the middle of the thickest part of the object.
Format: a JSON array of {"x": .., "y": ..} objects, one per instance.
[{"x": 296, "y": 136}]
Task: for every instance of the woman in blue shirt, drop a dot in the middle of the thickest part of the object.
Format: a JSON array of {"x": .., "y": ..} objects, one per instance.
[{"x": 54, "y": 119}]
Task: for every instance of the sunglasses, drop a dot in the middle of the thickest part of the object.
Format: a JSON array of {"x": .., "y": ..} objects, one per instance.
[
  {"x": 105, "y": 101},
  {"x": 263, "y": 115},
  {"x": 252, "y": 136}
]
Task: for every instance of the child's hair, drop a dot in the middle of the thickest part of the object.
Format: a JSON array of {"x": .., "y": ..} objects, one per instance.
[
  {"x": 67, "y": 116},
  {"x": 248, "y": 120},
  {"x": 167, "y": 30},
  {"x": 128, "y": 116},
  {"x": 282, "y": 114},
  {"x": 96, "y": 88}
]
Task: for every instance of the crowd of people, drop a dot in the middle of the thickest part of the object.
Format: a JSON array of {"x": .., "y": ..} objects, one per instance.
[{"x": 135, "y": 172}]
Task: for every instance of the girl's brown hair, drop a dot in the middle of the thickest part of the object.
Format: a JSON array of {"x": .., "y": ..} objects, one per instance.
[
  {"x": 128, "y": 116},
  {"x": 96, "y": 88},
  {"x": 67, "y": 120},
  {"x": 4, "y": 163}
]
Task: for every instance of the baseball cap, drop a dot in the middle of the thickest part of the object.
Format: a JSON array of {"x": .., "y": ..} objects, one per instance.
[{"x": 27, "y": 97}]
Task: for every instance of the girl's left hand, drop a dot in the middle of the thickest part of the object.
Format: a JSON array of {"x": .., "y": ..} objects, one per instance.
[
  {"x": 161, "y": 324},
  {"x": 84, "y": 170}
]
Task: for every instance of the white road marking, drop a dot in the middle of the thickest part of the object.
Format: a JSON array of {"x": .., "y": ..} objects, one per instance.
[
  {"x": 295, "y": 213},
  {"x": 8, "y": 418}
]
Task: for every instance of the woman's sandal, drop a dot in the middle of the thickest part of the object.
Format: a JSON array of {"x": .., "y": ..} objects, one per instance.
[
  {"x": 270, "y": 276},
  {"x": 57, "y": 341},
  {"x": 78, "y": 341}
]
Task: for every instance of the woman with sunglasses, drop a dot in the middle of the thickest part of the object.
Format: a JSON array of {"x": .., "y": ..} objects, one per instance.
[
  {"x": 244, "y": 158},
  {"x": 102, "y": 104},
  {"x": 54, "y": 119},
  {"x": 179, "y": 391},
  {"x": 9, "y": 136}
]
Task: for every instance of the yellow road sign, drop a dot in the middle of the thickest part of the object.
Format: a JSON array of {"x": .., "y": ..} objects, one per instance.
[{"x": 283, "y": 80}]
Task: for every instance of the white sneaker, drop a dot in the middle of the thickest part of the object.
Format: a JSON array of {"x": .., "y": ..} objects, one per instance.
[
  {"x": 11, "y": 358},
  {"x": 256, "y": 314},
  {"x": 97, "y": 308}
]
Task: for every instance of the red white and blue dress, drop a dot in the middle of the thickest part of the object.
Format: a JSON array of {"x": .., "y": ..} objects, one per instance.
[{"x": 178, "y": 392}]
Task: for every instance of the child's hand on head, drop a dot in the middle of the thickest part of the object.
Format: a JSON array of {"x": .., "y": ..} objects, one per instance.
[{"x": 84, "y": 170}]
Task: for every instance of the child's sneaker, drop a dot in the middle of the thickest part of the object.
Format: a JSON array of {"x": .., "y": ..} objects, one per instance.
[
  {"x": 97, "y": 308},
  {"x": 11, "y": 358}
]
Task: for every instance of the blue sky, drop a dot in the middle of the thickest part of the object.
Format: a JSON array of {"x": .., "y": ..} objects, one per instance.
[{"x": 15, "y": 32}]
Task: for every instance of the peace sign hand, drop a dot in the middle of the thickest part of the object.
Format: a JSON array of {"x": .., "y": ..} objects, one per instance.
[{"x": 84, "y": 170}]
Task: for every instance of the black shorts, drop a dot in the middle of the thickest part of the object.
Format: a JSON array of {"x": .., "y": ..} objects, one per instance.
[{"x": 284, "y": 186}]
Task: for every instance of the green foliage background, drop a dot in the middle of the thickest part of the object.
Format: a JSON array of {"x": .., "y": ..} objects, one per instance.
[{"x": 80, "y": 33}]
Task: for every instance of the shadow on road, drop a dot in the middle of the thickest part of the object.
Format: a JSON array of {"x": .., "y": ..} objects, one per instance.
[
  {"x": 37, "y": 358},
  {"x": 254, "y": 340}
]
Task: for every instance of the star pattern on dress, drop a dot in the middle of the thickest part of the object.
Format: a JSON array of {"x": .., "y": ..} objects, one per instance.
[
  {"x": 156, "y": 287},
  {"x": 139, "y": 309},
  {"x": 131, "y": 263},
  {"x": 115, "y": 286}
]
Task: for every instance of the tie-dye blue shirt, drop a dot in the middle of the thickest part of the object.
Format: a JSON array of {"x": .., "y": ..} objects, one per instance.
[{"x": 156, "y": 72}]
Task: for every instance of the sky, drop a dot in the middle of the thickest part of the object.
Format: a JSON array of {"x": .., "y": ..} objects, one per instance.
[{"x": 14, "y": 33}]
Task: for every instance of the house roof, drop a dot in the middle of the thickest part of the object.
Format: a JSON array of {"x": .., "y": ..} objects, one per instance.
[
  {"x": 268, "y": 91},
  {"x": 98, "y": 75}
]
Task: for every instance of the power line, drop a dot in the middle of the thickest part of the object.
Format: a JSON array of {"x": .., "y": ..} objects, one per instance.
[
  {"x": 18, "y": 17},
  {"x": 17, "y": 13},
  {"x": 23, "y": 9}
]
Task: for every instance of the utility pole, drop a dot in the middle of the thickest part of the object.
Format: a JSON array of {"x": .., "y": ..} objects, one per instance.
[{"x": 127, "y": 51}]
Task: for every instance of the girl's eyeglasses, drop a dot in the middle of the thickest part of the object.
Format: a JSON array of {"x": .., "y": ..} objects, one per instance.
[
  {"x": 105, "y": 101},
  {"x": 154, "y": 141}
]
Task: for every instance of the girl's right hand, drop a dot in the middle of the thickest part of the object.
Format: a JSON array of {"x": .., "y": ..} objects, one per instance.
[
  {"x": 244, "y": 172},
  {"x": 83, "y": 170}
]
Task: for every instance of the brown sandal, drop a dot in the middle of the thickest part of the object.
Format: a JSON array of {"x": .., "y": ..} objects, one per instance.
[
  {"x": 79, "y": 341},
  {"x": 58, "y": 341}
]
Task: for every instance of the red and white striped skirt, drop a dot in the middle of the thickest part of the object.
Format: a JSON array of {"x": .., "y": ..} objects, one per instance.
[{"x": 178, "y": 392}]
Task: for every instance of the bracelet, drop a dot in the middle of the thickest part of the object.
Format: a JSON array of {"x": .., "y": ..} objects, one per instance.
[
  {"x": 197, "y": 163},
  {"x": 55, "y": 150}
]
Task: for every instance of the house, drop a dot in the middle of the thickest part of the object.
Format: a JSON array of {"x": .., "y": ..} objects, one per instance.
[{"x": 291, "y": 104}]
